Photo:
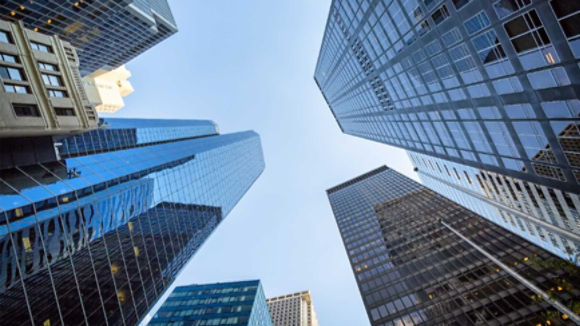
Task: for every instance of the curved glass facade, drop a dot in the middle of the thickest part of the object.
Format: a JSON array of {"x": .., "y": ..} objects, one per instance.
[{"x": 96, "y": 239}]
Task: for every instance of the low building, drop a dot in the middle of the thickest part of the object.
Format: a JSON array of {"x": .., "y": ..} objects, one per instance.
[
  {"x": 106, "y": 89},
  {"x": 41, "y": 92},
  {"x": 233, "y": 303}
]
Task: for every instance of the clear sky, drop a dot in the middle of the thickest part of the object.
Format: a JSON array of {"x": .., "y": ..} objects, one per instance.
[{"x": 249, "y": 64}]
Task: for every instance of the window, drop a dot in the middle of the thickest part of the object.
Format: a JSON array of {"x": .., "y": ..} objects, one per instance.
[
  {"x": 488, "y": 47},
  {"x": 452, "y": 37},
  {"x": 527, "y": 32},
  {"x": 41, "y": 47},
  {"x": 5, "y": 37},
  {"x": 9, "y": 88},
  {"x": 440, "y": 15},
  {"x": 460, "y": 3},
  {"x": 25, "y": 110},
  {"x": 55, "y": 93},
  {"x": 504, "y": 8},
  {"x": 531, "y": 41},
  {"x": 52, "y": 80},
  {"x": 430, "y": 4},
  {"x": 433, "y": 48},
  {"x": 11, "y": 73},
  {"x": 47, "y": 66},
  {"x": 477, "y": 23},
  {"x": 8, "y": 58},
  {"x": 568, "y": 13}
]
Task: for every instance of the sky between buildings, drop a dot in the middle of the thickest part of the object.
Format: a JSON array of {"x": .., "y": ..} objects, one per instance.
[{"x": 249, "y": 64}]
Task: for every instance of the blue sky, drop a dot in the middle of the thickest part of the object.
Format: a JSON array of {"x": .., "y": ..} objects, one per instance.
[{"x": 249, "y": 65}]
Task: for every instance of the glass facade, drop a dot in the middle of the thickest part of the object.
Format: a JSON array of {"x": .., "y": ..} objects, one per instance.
[
  {"x": 487, "y": 84},
  {"x": 97, "y": 237},
  {"x": 106, "y": 34},
  {"x": 495, "y": 197},
  {"x": 232, "y": 303},
  {"x": 411, "y": 269}
]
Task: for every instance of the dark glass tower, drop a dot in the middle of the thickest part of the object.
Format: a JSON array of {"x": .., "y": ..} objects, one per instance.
[
  {"x": 97, "y": 237},
  {"x": 413, "y": 269},
  {"x": 232, "y": 303},
  {"x": 489, "y": 84},
  {"x": 106, "y": 34}
]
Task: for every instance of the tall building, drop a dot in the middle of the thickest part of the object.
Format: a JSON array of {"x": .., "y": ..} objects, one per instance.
[
  {"x": 232, "y": 303},
  {"x": 547, "y": 217},
  {"x": 107, "y": 34},
  {"x": 106, "y": 89},
  {"x": 41, "y": 93},
  {"x": 419, "y": 258},
  {"x": 487, "y": 84},
  {"x": 96, "y": 237},
  {"x": 296, "y": 309}
]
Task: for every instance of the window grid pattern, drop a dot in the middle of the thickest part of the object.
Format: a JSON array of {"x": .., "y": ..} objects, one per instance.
[
  {"x": 537, "y": 201},
  {"x": 232, "y": 303},
  {"x": 411, "y": 270},
  {"x": 97, "y": 239},
  {"x": 106, "y": 33},
  {"x": 473, "y": 59}
]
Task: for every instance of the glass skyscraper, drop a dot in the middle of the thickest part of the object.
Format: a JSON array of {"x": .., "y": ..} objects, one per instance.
[
  {"x": 232, "y": 303},
  {"x": 98, "y": 236},
  {"x": 106, "y": 34},
  {"x": 547, "y": 217},
  {"x": 486, "y": 85},
  {"x": 420, "y": 259}
]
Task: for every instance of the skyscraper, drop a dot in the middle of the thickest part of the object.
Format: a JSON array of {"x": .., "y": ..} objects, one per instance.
[
  {"x": 488, "y": 84},
  {"x": 547, "y": 217},
  {"x": 296, "y": 309},
  {"x": 107, "y": 34},
  {"x": 419, "y": 258},
  {"x": 232, "y": 303},
  {"x": 98, "y": 236}
]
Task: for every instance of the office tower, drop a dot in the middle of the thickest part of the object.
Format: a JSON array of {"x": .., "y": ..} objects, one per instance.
[
  {"x": 232, "y": 303},
  {"x": 547, "y": 217},
  {"x": 419, "y": 258},
  {"x": 294, "y": 309},
  {"x": 42, "y": 93},
  {"x": 488, "y": 84},
  {"x": 107, "y": 34},
  {"x": 106, "y": 89},
  {"x": 96, "y": 237}
]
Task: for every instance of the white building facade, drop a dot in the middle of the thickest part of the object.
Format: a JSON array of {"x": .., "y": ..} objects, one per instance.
[{"x": 294, "y": 309}]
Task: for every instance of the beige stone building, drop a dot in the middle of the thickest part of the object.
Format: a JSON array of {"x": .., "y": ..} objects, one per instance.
[
  {"x": 106, "y": 89},
  {"x": 41, "y": 91},
  {"x": 294, "y": 309}
]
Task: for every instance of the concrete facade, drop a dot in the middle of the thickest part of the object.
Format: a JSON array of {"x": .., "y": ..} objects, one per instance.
[
  {"x": 106, "y": 89},
  {"x": 296, "y": 309},
  {"x": 41, "y": 91}
]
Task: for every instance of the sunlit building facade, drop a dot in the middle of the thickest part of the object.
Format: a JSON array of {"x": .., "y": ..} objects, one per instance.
[
  {"x": 514, "y": 204},
  {"x": 41, "y": 94},
  {"x": 96, "y": 237},
  {"x": 107, "y": 34},
  {"x": 296, "y": 309},
  {"x": 106, "y": 89},
  {"x": 487, "y": 84},
  {"x": 418, "y": 259},
  {"x": 231, "y": 303}
]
